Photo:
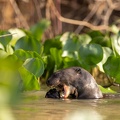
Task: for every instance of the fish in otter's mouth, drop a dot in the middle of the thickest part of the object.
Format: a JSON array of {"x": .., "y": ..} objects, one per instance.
[{"x": 65, "y": 90}]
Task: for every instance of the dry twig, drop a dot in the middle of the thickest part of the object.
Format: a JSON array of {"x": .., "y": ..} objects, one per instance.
[
  {"x": 88, "y": 17},
  {"x": 76, "y": 22},
  {"x": 19, "y": 14},
  {"x": 38, "y": 10}
]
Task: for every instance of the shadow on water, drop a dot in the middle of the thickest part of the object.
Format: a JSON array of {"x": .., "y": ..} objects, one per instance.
[{"x": 35, "y": 107}]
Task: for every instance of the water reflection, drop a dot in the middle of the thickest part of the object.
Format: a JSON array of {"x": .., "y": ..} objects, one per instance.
[
  {"x": 85, "y": 114},
  {"x": 35, "y": 107}
]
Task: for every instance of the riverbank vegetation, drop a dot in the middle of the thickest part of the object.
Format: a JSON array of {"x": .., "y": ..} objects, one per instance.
[
  {"x": 24, "y": 53},
  {"x": 73, "y": 33}
]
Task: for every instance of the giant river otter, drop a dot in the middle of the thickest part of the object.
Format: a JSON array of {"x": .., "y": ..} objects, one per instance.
[{"x": 75, "y": 82}]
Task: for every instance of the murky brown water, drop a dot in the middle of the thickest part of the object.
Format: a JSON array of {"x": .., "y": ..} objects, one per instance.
[{"x": 35, "y": 107}]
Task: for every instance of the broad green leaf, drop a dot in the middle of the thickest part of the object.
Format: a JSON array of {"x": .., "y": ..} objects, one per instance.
[
  {"x": 3, "y": 54},
  {"x": 1, "y": 47},
  {"x": 84, "y": 39},
  {"x": 16, "y": 34},
  {"x": 103, "y": 41},
  {"x": 56, "y": 54},
  {"x": 71, "y": 43},
  {"x": 38, "y": 29},
  {"x": 51, "y": 43},
  {"x": 72, "y": 54},
  {"x": 106, "y": 90},
  {"x": 10, "y": 62},
  {"x": 30, "y": 82},
  {"x": 13, "y": 62},
  {"x": 112, "y": 67},
  {"x": 5, "y": 39},
  {"x": 90, "y": 54},
  {"x": 35, "y": 66},
  {"x": 106, "y": 53},
  {"x": 95, "y": 34},
  {"x": 115, "y": 29},
  {"x": 49, "y": 62},
  {"x": 23, "y": 55},
  {"x": 115, "y": 40},
  {"x": 9, "y": 84},
  {"x": 9, "y": 49},
  {"x": 70, "y": 62},
  {"x": 28, "y": 43}
]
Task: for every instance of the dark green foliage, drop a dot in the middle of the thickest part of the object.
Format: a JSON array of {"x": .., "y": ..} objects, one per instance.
[
  {"x": 38, "y": 29},
  {"x": 99, "y": 38},
  {"x": 5, "y": 40},
  {"x": 56, "y": 55},
  {"x": 32, "y": 59},
  {"x": 90, "y": 54},
  {"x": 112, "y": 68},
  {"x": 51, "y": 43},
  {"x": 28, "y": 43}
]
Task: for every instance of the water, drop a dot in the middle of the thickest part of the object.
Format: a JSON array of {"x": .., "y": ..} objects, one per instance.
[{"x": 34, "y": 106}]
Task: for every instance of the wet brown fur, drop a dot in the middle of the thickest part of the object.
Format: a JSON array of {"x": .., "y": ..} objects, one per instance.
[{"x": 75, "y": 81}]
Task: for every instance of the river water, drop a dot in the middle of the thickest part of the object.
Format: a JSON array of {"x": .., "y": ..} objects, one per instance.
[{"x": 34, "y": 106}]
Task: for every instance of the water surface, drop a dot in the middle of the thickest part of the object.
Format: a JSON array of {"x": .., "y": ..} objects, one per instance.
[{"x": 34, "y": 106}]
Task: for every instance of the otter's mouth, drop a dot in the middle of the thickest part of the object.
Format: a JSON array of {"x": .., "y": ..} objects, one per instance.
[{"x": 63, "y": 89}]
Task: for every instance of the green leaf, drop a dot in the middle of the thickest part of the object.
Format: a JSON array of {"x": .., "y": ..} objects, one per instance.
[
  {"x": 95, "y": 34},
  {"x": 115, "y": 40},
  {"x": 1, "y": 47},
  {"x": 9, "y": 82},
  {"x": 5, "y": 39},
  {"x": 71, "y": 43},
  {"x": 51, "y": 43},
  {"x": 56, "y": 54},
  {"x": 30, "y": 82},
  {"x": 38, "y": 29},
  {"x": 84, "y": 39},
  {"x": 106, "y": 53},
  {"x": 49, "y": 62},
  {"x": 112, "y": 67},
  {"x": 9, "y": 49},
  {"x": 17, "y": 34},
  {"x": 90, "y": 54},
  {"x": 13, "y": 62},
  {"x": 70, "y": 62},
  {"x": 35, "y": 66},
  {"x": 3, "y": 54},
  {"x": 102, "y": 41},
  {"x": 106, "y": 90},
  {"x": 23, "y": 55},
  {"x": 28, "y": 43}
]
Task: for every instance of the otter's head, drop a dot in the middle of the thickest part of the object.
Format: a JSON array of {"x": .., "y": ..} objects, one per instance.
[{"x": 55, "y": 80}]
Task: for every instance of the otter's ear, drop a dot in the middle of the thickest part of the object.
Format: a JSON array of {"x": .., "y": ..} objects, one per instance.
[{"x": 77, "y": 70}]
